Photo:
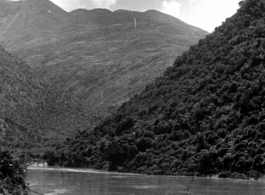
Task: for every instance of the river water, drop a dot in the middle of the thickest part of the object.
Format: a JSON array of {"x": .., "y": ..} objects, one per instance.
[{"x": 60, "y": 181}]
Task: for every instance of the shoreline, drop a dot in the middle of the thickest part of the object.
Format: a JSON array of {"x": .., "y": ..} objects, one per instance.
[{"x": 35, "y": 166}]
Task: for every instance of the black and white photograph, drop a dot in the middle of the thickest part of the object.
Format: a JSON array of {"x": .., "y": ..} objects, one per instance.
[{"x": 132, "y": 97}]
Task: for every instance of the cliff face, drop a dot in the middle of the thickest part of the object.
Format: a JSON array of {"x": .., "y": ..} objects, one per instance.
[{"x": 206, "y": 114}]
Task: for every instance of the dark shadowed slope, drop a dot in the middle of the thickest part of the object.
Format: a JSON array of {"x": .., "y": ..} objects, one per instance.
[
  {"x": 98, "y": 56},
  {"x": 13, "y": 175},
  {"x": 205, "y": 115},
  {"x": 32, "y": 114}
]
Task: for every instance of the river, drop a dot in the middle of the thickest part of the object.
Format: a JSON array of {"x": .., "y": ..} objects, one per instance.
[{"x": 61, "y": 181}]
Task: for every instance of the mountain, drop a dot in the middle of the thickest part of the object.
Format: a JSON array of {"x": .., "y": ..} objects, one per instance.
[
  {"x": 205, "y": 115},
  {"x": 23, "y": 21},
  {"x": 97, "y": 56},
  {"x": 33, "y": 114}
]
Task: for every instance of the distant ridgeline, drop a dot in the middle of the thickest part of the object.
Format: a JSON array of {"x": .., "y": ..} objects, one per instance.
[{"x": 205, "y": 115}]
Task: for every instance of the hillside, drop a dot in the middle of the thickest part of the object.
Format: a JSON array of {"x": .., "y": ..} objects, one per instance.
[
  {"x": 32, "y": 113},
  {"x": 97, "y": 56},
  {"x": 204, "y": 115},
  {"x": 24, "y": 21}
]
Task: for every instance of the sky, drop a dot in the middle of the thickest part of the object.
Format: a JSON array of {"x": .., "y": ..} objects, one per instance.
[{"x": 205, "y": 14}]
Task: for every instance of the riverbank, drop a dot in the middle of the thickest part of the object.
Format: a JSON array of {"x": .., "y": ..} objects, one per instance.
[{"x": 220, "y": 175}]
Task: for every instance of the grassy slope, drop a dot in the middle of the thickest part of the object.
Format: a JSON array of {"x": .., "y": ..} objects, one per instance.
[
  {"x": 205, "y": 114},
  {"x": 98, "y": 56},
  {"x": 24, "y": 21}
]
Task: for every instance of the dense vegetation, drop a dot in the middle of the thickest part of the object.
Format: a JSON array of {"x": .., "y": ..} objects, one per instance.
[
  {"x": 205, "y": 115},
  {"x": 32, "y": 113},
  {"x": 12, "y": 175}
]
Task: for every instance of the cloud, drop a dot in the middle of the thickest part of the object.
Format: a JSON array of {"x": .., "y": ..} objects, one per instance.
[
  {"x": 70, "y": 5},
  {"x": 208, "y": 14},
  {"x": 172, "y": 8},
  {"x": 103, "y": 3}
]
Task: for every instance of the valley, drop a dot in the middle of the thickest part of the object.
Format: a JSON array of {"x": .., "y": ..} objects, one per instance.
[
  {"x": 131, "y": 92},
  {"x": 97, "y": 56}
]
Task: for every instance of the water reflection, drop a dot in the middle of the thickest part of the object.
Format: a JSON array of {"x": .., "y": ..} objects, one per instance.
[{"x": 53, "y": 181}]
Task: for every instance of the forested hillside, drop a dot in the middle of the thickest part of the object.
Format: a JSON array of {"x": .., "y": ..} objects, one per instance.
[
  {"x": 205, "y": 115},
  {"x": 32, "y": 113}
]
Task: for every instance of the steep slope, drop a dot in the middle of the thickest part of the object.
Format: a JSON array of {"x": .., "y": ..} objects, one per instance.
[
  {"x": 32, "y": 113},
  {"x": 205, "y": 115},
  {"x": 99, "y": 56},
  {"x": 24, "y": 21}
]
